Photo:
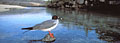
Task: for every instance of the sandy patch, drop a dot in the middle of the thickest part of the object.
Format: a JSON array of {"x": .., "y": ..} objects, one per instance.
[{"x": 8, "y": 7}]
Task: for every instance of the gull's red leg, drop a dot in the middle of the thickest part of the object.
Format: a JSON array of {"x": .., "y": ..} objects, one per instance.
[{"x": 51, "y": 34}]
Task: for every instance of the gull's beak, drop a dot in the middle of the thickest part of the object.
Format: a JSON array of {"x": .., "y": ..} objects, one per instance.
[{"x": 60, "y": 18}]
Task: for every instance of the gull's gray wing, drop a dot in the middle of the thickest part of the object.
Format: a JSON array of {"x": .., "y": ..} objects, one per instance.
[{"x": 44, "y": 25}]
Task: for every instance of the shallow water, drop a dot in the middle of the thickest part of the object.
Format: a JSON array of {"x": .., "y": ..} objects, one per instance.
[{"x": 76, "y": 26}]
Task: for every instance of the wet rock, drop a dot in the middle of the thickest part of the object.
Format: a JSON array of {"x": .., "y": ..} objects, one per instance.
[
  {"x": 108, "y": 35},
  {"x": 107, "y": 38},
  {"x": 47, "y": 38}
]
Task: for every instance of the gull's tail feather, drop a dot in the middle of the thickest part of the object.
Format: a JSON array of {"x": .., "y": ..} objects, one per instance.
[
  {"x": 29, "y": 28},
  {"x": 26, "y": 31}
]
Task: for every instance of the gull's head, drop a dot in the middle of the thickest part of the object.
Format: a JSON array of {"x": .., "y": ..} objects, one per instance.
[{"x": 55, "y": 17}]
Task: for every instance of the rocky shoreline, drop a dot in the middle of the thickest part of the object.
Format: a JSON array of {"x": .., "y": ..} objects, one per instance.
[
  {"x": 70, "y": 4},
  {"x": 86, "y": 4}
]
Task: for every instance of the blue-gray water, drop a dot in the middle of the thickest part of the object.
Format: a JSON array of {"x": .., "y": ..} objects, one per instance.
[{"x": 76, "y": 26}]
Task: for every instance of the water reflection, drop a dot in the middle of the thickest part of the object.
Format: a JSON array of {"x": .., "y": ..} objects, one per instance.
[
  {"x": 76, "y": 27},
  {"x": 106, "y": 26}
]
